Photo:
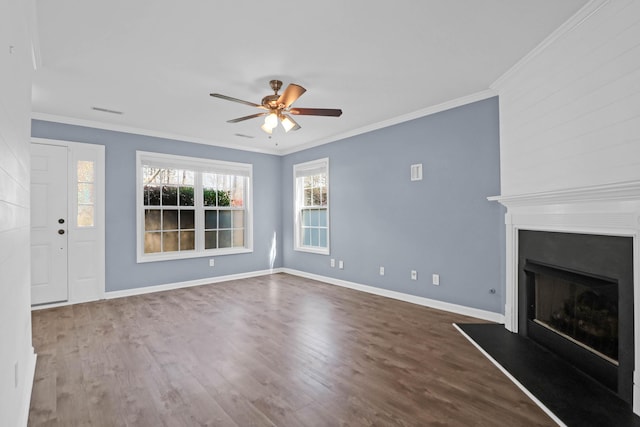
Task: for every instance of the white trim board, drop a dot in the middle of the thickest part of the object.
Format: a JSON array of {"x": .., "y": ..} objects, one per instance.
[
  {"x": 188, "y": 284},
  {"x": 427, "y": 111},
  {"x": 30, "y": 374},
  {"x": 513, "y": 379},
  {"x": 426, "y": 302}
]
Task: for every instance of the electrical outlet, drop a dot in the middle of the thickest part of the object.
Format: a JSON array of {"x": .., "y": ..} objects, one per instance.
[
  {"x": 333, "y": 263},
  {"x": 382, "y": 271},
  {"x": 340, "y": 264},
  {"x": 414, "y": 275},
  {"x": 435, "y": 279},
  {"x": 212, "y": 262}
]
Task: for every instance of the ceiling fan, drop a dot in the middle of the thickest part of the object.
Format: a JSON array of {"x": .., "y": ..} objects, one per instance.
[{"x": 278, "y": 108}]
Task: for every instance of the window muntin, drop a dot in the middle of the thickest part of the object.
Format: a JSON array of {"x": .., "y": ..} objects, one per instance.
[
  {"x": 192, "y": 207},
  {"x": 312, "y": 206}
]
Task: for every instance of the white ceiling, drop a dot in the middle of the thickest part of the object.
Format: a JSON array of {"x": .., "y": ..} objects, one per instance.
[{"x": 157, "y": 61}]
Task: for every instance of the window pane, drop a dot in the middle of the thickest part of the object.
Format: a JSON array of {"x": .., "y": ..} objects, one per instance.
[
  {"x": 169, "y": 196},
  {"x": 238, "y": 219},
  {"x": 224, "y": 239},
  {"x": 85, "y": 193},
  {"x": 85, "y": 171},
  {"x": 306, "y": 217},
  {"x": 210, "y": 239},
  {"x": 323, "y": 196},
  {"x": 323, "y": 238},
  {"x": 225, "y": 219},
  {"x": 306, "y": 236},
  {"x": 209, "y": 197},
  {"x": 313, "y": 217},
  {"x": 210, "y": 219},
  {"x": 314, "y": 236},
  {"x": 85, "y": 216},
  {"x": 223, "y": 198},
  {"x": 237, "y": 193},
  {"x": 238, "y": 237},
  {"x": 322, "y": 217},
  {"x": 151, "y": 195},
  {"x": 170, "y": 241},
  {"x": 186, "y": 196},
  {"x": 152, "y": 242},
  {"x": 187, "y": 240},
  {"x": 187, "y": 178},
  {"x": 152, "y": 220},
  {"x": 316, "y": 197},
  {"x": 170, "y": 220},
  {"x": 187, "y": 219},
  {"x": 308, "y": 197}
]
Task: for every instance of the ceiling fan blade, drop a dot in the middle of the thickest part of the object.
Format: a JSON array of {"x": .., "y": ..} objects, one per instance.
[
  {"x": 290, "y": 94},
  {"x": 228, "y": 98},
  {"x": 330, "y": 112},
  {"x": 253, "y": 116}
]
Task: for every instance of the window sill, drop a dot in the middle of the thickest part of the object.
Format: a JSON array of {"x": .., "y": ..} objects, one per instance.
[
  {"x": 319, "y": 251},
  {"x": 206, "y": 254}
]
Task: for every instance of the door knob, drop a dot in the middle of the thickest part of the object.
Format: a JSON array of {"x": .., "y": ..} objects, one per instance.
[{"x": 61, "y": 231}]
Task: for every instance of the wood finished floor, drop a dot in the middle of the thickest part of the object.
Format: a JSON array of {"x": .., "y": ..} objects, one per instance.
[{"x": 275, "y": 350}]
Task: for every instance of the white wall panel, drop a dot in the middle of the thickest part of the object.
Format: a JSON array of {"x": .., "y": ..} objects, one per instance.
[
  {"x": 570, "y": 113},
  {"x": 16, "y": 352}
]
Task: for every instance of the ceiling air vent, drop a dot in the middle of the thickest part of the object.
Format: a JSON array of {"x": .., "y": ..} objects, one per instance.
[
  {"x": 106, "y": 110},
  {"x": 242, "y": 135}
]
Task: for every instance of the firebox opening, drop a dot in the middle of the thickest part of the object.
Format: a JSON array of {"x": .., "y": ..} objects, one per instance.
[{"x": 580, "y": 307}]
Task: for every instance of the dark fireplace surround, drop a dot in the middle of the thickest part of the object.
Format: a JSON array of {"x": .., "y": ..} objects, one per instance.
[{"x": 589, "y": 270}]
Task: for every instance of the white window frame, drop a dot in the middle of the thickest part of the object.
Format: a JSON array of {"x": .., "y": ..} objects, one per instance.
[
  {"x": 301, "y": 170},
  {"x": 198, "y": 165}
]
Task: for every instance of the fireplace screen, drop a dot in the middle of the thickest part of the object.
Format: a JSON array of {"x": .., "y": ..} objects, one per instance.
[{"x": 582, "y": 309}]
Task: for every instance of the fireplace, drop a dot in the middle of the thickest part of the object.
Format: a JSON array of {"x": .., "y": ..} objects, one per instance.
[{"x": 576, "y": 299}]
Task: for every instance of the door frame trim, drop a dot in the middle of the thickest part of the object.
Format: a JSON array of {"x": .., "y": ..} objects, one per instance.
[{"x": 73, "y": 147}]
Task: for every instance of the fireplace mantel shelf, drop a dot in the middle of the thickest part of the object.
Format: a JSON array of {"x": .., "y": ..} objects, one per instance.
[{"x": 624, "y": 191}]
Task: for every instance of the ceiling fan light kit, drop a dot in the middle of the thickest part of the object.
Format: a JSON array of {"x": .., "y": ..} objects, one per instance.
[{"x": 278, "y": 108}]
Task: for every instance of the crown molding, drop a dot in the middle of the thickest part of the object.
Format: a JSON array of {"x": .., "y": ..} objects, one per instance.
[
  {"x": 458, "y": 102},
  {"x": 146, "y": 132},
  {"x": 568, "y": 26}
]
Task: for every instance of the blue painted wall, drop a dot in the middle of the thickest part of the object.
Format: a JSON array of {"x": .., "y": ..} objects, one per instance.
[
  {"x": 442, "y": 224},
  {"x": 122, "y": 271}
]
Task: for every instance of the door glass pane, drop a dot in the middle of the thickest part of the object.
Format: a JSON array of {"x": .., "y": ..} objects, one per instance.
[
  {"x": 85, "y": 171},
  {"x": 85, "y": 216}
]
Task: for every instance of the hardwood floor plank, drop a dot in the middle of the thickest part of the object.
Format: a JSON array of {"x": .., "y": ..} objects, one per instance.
[{"x": 268, "y": 351}]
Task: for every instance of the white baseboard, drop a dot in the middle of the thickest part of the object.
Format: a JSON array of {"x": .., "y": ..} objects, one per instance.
[
  {"x": 188, "y": 284},
  {"x": 427, "y": 302},
  {"x": 30, "y": 374}
]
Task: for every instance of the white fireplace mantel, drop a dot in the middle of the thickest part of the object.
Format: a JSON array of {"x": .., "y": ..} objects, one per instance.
[{"x": 612, "y": 209}]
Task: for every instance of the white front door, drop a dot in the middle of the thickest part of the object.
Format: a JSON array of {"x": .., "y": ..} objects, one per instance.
[{"x": 49, "y": 219}]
